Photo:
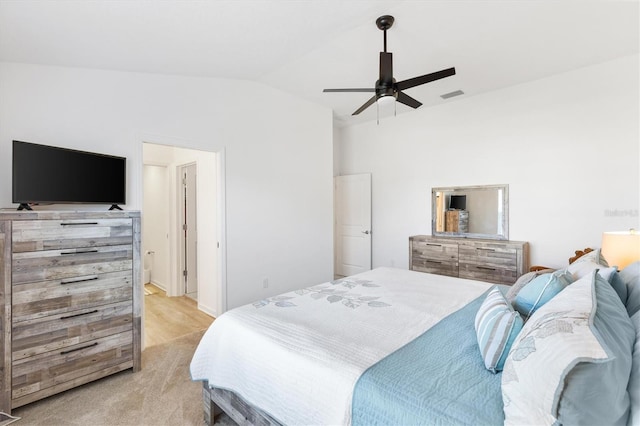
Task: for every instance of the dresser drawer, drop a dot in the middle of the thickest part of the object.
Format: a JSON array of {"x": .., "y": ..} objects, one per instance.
[
  {"x": 434, "y": 251},
  {"x": 47, "y": 373},
  {"x": 489, "y": 256},
  {"x": 431, "y": 266},
  {"x": 434, "y": 257},
  {"x": 46, "y": 334},
  {"x": 37, "y": 235},
  {"x": 70, "y": 263},
  {"x": 487, "y": 273},
  {"x": 61, "y": 297}
]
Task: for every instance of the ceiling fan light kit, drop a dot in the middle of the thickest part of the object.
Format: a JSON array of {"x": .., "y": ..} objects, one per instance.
[{"x": 386, "y": 89}]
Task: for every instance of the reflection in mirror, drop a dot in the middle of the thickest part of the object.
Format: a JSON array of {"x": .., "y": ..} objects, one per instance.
[{"x": 471, "y": 211}]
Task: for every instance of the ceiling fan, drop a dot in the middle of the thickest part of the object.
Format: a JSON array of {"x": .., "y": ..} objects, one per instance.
[{"x": 387, "y": 87}]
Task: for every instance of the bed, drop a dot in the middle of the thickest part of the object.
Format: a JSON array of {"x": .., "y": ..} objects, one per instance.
[{"x": 387, "y": 346}]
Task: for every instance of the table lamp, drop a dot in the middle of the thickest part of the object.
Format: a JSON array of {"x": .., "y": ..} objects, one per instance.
[{"x": 621, "y": 248}]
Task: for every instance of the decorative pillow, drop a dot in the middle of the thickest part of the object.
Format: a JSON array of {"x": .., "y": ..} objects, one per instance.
[
  {"x": 540, "y": 290},
  {"x": 634, "y": 380},
  {"x": 571, "y": 362},
  {"x": 522, "y": 281},
  {"x": 497, "y": 326},
  {"x": 630, "y": 276}
]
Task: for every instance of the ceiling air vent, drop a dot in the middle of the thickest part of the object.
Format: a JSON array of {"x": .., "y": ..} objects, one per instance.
[{"x": 452, "y": 94}]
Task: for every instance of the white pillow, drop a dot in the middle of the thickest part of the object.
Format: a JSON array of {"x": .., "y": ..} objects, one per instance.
[{"x": 581, "y": 269}]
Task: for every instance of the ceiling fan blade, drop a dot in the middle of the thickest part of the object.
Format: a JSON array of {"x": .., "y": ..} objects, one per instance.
[
  {"x": 386, "y": 67},
  {"x": 350, "y": 90},
  {"x": 403, "y": 98},
  {"x": 427, "y": 78},
  {"x": 365, "y": 106}
]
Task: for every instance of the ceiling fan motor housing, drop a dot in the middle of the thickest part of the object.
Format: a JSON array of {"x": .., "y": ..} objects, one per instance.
[{"x": 385, "y": 89}]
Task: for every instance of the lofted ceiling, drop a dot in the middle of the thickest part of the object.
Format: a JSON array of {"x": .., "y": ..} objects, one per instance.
[{"x": 304, "y": 46}]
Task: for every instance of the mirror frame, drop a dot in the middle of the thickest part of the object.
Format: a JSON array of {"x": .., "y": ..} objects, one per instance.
[{"x": 453, "y": 189}]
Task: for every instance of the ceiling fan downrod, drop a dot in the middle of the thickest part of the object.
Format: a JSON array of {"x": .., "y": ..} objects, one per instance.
[{"x": 384, "y": 23}]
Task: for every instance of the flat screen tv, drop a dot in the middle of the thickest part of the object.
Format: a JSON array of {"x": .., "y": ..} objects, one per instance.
[
  {"x": 458, "y": 202},
  {"x": 49, "y": 174}
]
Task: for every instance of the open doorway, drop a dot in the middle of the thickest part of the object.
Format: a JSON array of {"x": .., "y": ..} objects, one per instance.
[{"x": 169, "y": 251}]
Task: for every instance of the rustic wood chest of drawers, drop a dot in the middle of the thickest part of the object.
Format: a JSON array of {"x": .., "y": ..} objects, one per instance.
[
  {"x": 494, "y": 261},
  {"x": 456, "y": 221},
  {"x": 70, "y": 299}
]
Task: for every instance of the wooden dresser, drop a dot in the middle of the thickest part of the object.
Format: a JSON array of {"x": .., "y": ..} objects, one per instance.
[
  {"x": 495, "y": 261},
  {"x": 70, "y": 300}
]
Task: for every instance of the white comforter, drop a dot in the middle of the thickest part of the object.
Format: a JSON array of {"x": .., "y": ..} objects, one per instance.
[{"x": 298, "y": 356}]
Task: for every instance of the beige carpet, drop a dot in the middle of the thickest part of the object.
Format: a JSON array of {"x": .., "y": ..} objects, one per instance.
[{"x": 162, "y": 393}]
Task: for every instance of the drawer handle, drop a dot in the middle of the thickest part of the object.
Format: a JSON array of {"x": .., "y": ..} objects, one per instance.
[
  {"x": 434, "y": 245},
  {"x": 485, "y": 249},
  {"x": 486, "y": 267},
  {"x": 79, "y": 349},
  {"x": 79, "y": 223},
  {"x": 78, "y": 280},
  {"x": 79, "y": 252},
  {"x": 434, "y": 261},
  {"x": 79, "y": 315}
]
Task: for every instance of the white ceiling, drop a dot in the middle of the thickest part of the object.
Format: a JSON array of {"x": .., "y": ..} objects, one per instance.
[{"x": 303, "y": 46}]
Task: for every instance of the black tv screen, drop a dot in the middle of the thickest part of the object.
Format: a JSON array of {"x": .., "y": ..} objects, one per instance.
[
  {"x": 48, "y": 174},
  {"x": 458, "y": 202}
]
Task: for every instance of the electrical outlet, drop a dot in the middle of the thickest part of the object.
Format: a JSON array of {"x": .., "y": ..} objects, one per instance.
[{"x": 265, "y": 283}]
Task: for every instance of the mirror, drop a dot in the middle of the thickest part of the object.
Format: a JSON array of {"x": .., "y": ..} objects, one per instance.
[{"x": 471, "y": 212}]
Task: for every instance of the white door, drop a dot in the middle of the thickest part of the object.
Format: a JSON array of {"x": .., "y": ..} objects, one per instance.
[
  {"x": 353, "y": 224},
  {"x": 189, "y": 228}
]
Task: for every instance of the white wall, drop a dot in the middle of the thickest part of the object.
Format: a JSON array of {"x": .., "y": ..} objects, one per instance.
[
  {"x": 568, "y": 146},
  {"x": 278, "y": 156}
]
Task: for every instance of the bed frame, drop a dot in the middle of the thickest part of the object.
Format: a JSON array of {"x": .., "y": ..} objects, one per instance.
[{"x": 216, "y": 401}]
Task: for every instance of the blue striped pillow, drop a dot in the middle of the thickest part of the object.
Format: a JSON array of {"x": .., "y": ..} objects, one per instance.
[{"x": 497, "y": 326}]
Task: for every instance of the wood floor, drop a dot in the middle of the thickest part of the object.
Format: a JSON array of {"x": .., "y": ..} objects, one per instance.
[{"x": 167, "y": 318}]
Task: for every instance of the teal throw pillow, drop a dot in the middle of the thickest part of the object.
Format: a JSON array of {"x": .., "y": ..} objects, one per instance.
[{"x": 540, "y": 290}]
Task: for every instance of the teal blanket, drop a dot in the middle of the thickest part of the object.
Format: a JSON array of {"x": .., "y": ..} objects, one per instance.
[{"x": 437, "y": 379}]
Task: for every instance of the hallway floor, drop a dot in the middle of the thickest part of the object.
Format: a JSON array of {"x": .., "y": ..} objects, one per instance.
[{"x": 167, "y": 318}]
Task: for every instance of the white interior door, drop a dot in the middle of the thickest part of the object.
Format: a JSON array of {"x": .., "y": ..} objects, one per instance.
[
  {"x": 353, "y": 224},
  {"x": 190, "y": 230}
]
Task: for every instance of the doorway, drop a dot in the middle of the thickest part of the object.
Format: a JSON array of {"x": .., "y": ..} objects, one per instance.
[
  {"x": 207, "y": 193},
  {"x": 189, "y": 225}
]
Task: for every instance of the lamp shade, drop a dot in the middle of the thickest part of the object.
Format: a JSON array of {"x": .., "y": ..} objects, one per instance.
[
  {"x": 621, "y": 248},
  {"x": 386, "y": 101}
]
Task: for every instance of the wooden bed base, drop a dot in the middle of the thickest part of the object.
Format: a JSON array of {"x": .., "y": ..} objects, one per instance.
[{"x": 217, "y": 401}]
